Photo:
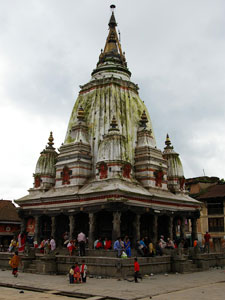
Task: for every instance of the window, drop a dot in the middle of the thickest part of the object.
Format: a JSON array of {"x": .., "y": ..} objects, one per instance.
[
  {"x": 216, "y": 224},
  {"x": 215, "y": 207}
]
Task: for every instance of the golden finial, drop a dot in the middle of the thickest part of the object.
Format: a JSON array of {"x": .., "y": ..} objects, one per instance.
[
  {"x": 50, "y": 141},
  {"x": 168, "y": 142},
  {"x": 80, "y": 114},
  {"x": 144, "y": 119}
]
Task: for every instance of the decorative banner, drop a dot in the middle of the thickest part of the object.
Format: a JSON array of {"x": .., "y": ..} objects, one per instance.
[
  {"x": 30, "y": 225},
  {"x": 9, "y": 228}
]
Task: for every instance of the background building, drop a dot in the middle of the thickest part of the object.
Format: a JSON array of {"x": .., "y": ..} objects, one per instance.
[
  {"x": 211, "y": 192},
  {"x": 9, "y": 223}
]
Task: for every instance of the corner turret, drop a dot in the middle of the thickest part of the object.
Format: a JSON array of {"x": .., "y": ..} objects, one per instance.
[
  {"x": 175, "y": 172},
  {"x": 74, "y": 164},
  {"x": 111, "y": 160},
  {"x": 44, "y": 176},
  {"x": 150, "y": 167}
]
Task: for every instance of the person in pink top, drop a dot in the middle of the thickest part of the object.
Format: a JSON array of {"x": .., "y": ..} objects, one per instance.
[{"x": 81, "y": 238}]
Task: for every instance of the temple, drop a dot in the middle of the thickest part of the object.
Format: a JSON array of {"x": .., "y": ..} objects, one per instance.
[{"x": 108, "y": 178}]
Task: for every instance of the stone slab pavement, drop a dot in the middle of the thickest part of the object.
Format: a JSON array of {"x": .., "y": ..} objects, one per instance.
[{"x": 200, "y": 285}]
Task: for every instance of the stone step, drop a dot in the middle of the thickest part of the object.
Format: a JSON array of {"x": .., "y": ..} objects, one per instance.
[{"x": 31, "y": 270}]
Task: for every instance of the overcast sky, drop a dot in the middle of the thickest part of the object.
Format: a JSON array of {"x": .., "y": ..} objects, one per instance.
[{"x": 175, "y": 50}]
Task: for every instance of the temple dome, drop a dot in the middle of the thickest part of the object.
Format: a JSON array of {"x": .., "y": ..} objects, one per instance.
[
  {"x": 175, "y": 173},
  {"x": 112, "y": 147},
  {"x": 110, "y": 93},
  {"x": 45, "y": 171},
  {"x": 46, "y": 162}
]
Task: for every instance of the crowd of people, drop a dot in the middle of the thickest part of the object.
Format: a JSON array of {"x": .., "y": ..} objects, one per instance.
[{"x": 146, "y": 247}]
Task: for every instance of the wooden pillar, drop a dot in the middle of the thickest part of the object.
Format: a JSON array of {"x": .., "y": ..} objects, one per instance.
[
  {"x": 170, "y": 227},
  {"x": 23, "y": 225},
  {"x": 53, "y": 227},
  {"x": 91, "y": 230},
  {"x": 71, "y": 224},
  {"x": 194, "y": 229},
  {"x": 137, "y": 225},
  {"x": 155, "y": 229},
  {"x": 182, "y": 228},
  {"x": 37, "y": 229},
  {"x": 116, "y": 225}
]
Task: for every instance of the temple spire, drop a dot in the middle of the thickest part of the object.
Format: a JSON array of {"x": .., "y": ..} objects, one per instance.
[
  {"x": 144, "y": 120},
  {"x": 113, "y": 125},
  {"x": 112, "y": 21},
  {"x": 112, "y": 46},
  {"x": 80, "y": 114},
  {"x": 168, "y": 142},
  {"x": 50, "y": 142}
]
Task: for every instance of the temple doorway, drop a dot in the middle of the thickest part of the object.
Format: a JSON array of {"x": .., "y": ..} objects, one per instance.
[
  {"x": 62, "y": 226},
  {"x": 163, "y": 226},
  {"x": 45, "y": 227},
  {"x": 81, "y": 224},
  {"x": 127, "y": 226},
  {"x": 146, "y": 226},
  {"x": 103, "y": 224}
]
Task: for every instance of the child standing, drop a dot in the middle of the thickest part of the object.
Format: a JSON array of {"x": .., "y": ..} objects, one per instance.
[
  {"x": 14, "y": 263},
  {"x": 83, "y": 271},
  {"x": 76, "y": 275},
  {"x": 71, "y": 274},
  {"x": 136, "y": 270}
]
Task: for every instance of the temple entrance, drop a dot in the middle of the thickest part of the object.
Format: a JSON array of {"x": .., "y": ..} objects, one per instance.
[
  {"x": 103, "y": 224},
  {"x": 62, "y": 226},
  {"x": 81, "y": 224},
  {"x": 45, "y": 227},
  {"x": 163, "y": 226},
  {"x": 146, "y": 226},
  {"x": 127, "y": 226}
]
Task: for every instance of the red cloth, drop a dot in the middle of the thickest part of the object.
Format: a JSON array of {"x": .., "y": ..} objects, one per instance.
[
  {"x": 207, "y": 237},
  {"x": 108, "y": 245},
  {"x": 82, "y": 268},
  {"x": 136, "y": 267},
  {"x": 99, "y": 245}
]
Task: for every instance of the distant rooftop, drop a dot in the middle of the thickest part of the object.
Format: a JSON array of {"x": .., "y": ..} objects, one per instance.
[
  {"x": 8, "y": 211},
  {"x": 202, "y": 179},
  {"x": 215, "y": 191}
]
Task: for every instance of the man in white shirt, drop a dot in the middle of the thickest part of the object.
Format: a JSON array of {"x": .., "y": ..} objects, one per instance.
[
  {"x": 52, "y": 244},
  {"x": 81, "y": 238}
]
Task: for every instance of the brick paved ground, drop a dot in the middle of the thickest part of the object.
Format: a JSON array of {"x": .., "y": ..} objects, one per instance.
[{"x": 199, "y": 285}]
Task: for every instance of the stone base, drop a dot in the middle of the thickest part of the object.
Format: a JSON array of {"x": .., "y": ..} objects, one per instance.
[{"x": 117, "y": 267}]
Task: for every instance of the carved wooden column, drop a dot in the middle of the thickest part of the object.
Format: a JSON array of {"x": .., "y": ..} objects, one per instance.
[
  {"x": 155, "y": 229},
  {"x": 37, "y": 229},
  {"x": 91, "y": 230},
  {"x": 23, "y": 225},
  {"x": 194, "y": 229},
  {"x": 53, "y": 227},
  {"x": 136, "y": 226},
  {"x": 116, "y": 225},
  {"x": 182, "y": 228},
  {"x": 170, "y": 227},
  {"x": 72, "y": 223}
]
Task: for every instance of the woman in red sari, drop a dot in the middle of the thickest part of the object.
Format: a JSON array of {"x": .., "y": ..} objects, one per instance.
[{"x": 21, "y": 241}]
